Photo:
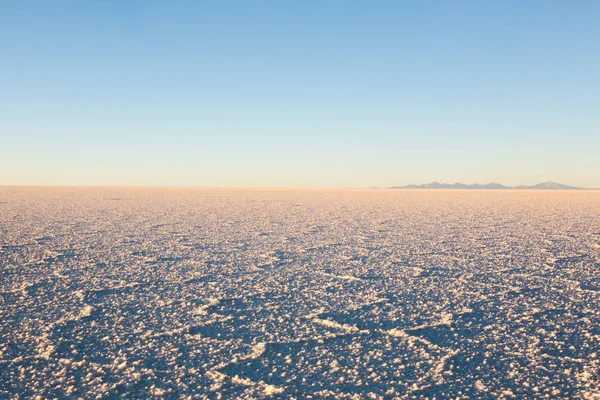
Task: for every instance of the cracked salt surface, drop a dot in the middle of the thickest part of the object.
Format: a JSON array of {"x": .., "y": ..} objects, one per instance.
[{"x": 190, "y": 293}]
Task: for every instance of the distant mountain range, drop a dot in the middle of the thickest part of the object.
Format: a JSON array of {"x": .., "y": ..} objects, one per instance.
[{"x": 497, "y": 186}]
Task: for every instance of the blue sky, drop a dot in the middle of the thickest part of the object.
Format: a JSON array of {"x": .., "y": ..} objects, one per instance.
[{"x": 312, "y": 93}]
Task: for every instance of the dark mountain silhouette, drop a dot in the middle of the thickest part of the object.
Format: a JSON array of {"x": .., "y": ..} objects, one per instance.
[{"x": 549, "y": 185}]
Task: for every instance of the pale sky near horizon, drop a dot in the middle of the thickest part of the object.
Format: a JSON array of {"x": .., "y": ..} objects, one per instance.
[{"x": 311, "y": 93}]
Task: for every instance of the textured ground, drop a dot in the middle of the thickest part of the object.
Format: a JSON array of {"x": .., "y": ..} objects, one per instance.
[{"x": 344, "y": 294}]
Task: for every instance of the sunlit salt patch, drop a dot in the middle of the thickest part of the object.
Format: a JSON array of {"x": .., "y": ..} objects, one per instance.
[
  {"x": 439, "y": 370},
  {"x": 203, "y": 310},
  {"x": 271, "y": 390},
  {"x": 374, "y": 300},
  {"x": 479, "y": 385},
  {"x": 86, "y": 311},
  {"x": 219, "y": 379},
  {"x": 315, "y": 313},
  {"x": 336, "y": 325},
  {"x": 269, "y": 258},
  {"x": 258, "y": 350},
  {"x": 25, "y": 287},
  {"x": 45, "y": 350},
  {"x": 166, "y": 334},
  {"x": 58, "y": 274},
  {"x": 120, "y": 365},
  {"x": 349, "y": 277},
  {"x": 242, "y": 381},
  {"x": 412, "y": 340},
  {"x": 446, "y": 319},
  {"x": 158, "y": 392},
  {"x": 397, "y": 333},
  {"x": 590, "y": 395},
  {"x": 588, "y": 375},
  {"x": 343, "y": 277}
]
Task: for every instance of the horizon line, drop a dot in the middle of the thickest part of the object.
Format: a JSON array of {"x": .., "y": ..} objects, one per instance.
[{"x": 50, "y": 186}]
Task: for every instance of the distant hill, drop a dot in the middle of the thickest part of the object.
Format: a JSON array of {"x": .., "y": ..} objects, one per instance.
[
  {"x": 496, "y": 186},
  {"x": 552, "y": 186}
]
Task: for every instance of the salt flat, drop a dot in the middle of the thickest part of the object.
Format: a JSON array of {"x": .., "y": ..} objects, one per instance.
[{"x": 234, "y": 293}]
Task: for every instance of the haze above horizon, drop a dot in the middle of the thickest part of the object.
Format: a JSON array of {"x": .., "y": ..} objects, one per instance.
[{"x": 299, "y": 95}]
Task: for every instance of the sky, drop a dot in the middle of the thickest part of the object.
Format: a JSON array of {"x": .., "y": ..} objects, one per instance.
[{"x": 299, "y": 93}]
